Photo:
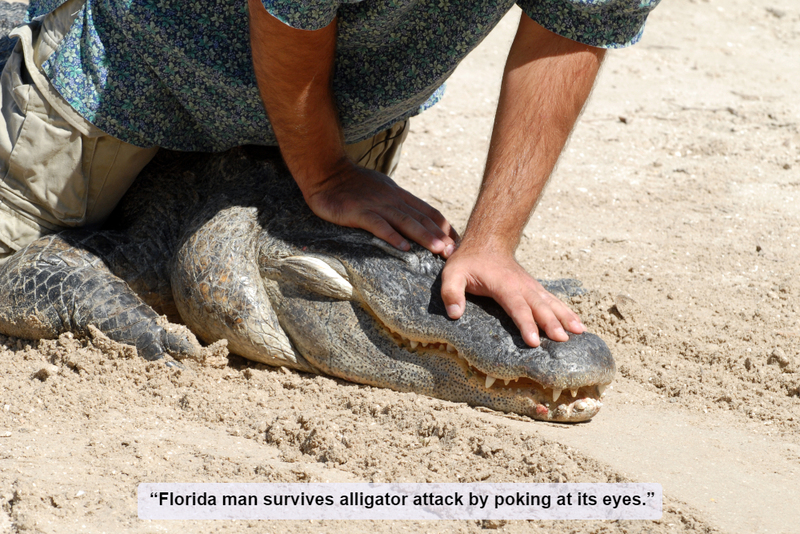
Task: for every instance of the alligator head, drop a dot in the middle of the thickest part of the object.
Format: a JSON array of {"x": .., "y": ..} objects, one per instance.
[{"x": 349, "y": 305}]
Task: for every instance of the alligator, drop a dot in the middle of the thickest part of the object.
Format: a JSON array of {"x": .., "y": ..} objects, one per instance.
[{"x": 225, "y": 244}]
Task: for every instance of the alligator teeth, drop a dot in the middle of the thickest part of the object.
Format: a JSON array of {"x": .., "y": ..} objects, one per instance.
[
  {"x": 450, "y": 348},
  {"x": 574, "y": 392},
  {"x": 414, "y": 344},
  {"x": 506, "y": 381},
  {"x": 556, "y": 394},
  {"x": 424, "y": 344},
  {"x": 489, "y": 381},
  {"x": 601, "y": 390}
]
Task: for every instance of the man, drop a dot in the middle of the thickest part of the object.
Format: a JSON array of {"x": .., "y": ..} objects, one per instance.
[{"x": 94, "y": 86}]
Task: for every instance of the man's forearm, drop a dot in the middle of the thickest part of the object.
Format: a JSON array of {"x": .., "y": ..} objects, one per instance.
[
  {"x": 293, "y": 69},
  {"x": 546, "y": 82}
]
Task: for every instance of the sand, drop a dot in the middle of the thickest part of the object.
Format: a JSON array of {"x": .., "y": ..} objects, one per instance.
[{"x": 676, "y": 203}]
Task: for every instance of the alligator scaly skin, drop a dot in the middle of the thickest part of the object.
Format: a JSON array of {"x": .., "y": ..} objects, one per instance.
[{"x": 226, "y": 244}]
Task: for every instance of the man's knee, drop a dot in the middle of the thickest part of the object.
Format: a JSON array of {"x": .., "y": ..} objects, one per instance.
[
  {"x": 380, "y": 152},
  {"x": 54, "y": 173},
  {"x": 5, "y": 253}
]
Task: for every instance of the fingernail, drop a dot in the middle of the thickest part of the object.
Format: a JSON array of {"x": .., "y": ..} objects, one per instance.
[
  {"x": 560, "y": 331},
  {"x": 453, "y": 310},
  {"x": 448, "y": 250},
  {"x": 535, "y": 338},
  {"x": 437, "y": 244},
  {"x": 405, "y": 246}
]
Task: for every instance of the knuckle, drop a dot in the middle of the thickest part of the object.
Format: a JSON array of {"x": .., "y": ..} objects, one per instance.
[
  {"x": 405, "y": 219},
  {"x": 433, "y": 212},
  {"x": 372, "y": 216},
  {"x": 432, "y": 227}
]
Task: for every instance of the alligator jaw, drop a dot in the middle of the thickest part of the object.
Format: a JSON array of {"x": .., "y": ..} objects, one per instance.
[
  {"x": 408, "y": 343},
  {"x": 345, "y": 328},
  {"x": 344, "y": 339},
  {"x": 246, "y": 245},
  {"x": 551, "y": 404}
]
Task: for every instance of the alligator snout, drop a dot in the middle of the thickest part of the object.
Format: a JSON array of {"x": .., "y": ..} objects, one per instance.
[{"x": 401, "y": 337}]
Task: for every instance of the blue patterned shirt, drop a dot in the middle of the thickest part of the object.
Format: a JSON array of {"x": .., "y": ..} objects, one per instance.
[{"x": 178, "y": 73}]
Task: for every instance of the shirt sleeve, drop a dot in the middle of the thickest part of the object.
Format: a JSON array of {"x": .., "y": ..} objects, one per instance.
[
  {"x": 305, "y": 14},
  {"x": 600, "y": 23}
]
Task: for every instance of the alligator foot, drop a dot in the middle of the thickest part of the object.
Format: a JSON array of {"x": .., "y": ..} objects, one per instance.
[{"x": 52, "y": 287}]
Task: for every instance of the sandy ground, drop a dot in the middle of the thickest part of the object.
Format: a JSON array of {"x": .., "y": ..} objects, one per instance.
[{"x": 676, "y": 203}]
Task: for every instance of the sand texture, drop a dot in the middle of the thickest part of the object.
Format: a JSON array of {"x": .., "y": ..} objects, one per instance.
[{"x": 676, "y": 203}]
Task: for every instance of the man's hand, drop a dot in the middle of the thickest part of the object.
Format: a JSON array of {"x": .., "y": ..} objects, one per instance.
[
  {"x": 293, "y": 69},
  {"x": 546, "y": 81},
  {"x": 499, "y": 276},
  {"x": 361, "y": 198}
]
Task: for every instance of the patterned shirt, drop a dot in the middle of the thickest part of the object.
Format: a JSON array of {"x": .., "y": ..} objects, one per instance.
[{"x": 178, "y": 73}]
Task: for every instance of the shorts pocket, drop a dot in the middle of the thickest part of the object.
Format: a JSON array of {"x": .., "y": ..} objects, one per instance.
[{"x": 45, "y": 164}]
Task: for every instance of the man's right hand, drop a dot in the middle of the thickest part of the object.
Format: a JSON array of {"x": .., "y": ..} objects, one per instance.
[
  {"x": 361, "y": 198},
  {"x": 293, "y": 68}
]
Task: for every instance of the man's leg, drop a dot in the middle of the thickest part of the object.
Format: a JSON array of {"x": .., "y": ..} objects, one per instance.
[
  {"x": 381, "y": 152},
  {"x": 56, "y": 169}
]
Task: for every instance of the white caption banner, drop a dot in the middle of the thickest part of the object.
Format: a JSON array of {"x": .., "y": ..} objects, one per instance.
[{"x": 400, "y": 501}]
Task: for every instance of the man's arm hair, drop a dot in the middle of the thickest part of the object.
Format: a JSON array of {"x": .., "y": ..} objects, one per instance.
[
  {"x": 293, "y": 69},
  {"x": 546, "y": 82}
]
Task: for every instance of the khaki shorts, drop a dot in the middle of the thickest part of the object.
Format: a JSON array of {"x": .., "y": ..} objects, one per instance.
[
  {"x": 59, "y": 171},
  {"x": 56, "y": 169}
]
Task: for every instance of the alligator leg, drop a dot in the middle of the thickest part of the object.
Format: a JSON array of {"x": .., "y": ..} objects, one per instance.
[
  {"x": 219, "y": 292},
  {"x": 52, "y": 287}
]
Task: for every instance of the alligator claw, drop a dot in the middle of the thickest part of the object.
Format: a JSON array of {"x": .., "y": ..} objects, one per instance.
[{"x": 226, "y": 243}]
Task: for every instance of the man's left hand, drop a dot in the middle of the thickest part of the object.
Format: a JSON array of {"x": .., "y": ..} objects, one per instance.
[
  {"x": 499, "y": 276},
  {"x": 546, "y": 81}
]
